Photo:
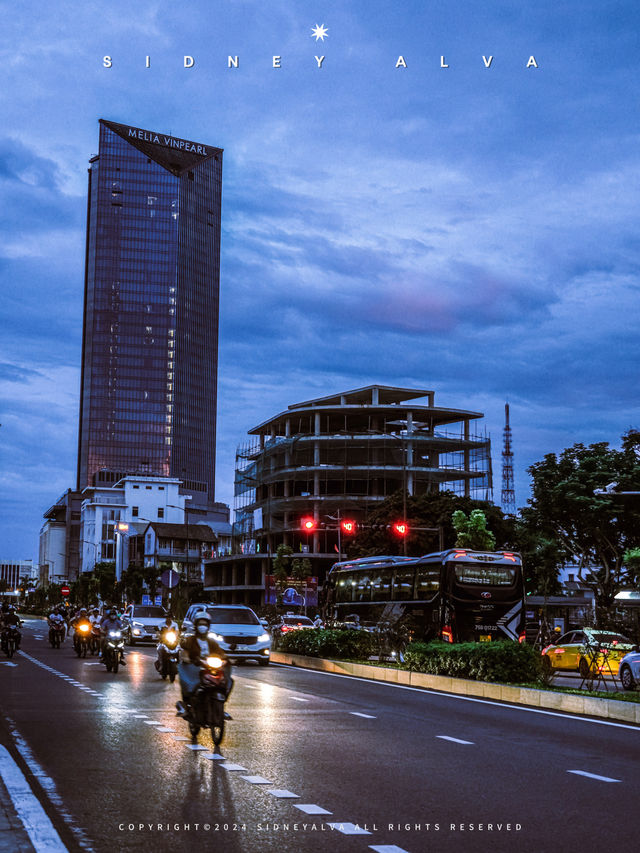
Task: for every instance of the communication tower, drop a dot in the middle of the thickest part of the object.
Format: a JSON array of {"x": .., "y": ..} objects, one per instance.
[{"x": 508, "y": 497}]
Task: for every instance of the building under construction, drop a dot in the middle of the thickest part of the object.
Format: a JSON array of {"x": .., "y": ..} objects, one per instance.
[{"x": 341, "y": 456}]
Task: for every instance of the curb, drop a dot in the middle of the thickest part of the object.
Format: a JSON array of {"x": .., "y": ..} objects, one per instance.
[{"x": 592, "y": 706}]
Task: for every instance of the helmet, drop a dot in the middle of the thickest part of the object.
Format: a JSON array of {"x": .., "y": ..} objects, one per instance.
[
  {"x": 202, "y": 622},
  {"x": 113, "y": 613}
]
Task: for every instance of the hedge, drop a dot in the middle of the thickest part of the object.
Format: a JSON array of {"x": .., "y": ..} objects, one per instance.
[
  {"x": 514, "y": 663},
  {"x": 328, "y": 643}
]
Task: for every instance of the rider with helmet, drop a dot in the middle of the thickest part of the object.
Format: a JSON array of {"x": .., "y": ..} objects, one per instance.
[
  {"x": 110, "y": 622},
  {"x": 197, "y": 646},
  {"x": 10, "y": 620}
]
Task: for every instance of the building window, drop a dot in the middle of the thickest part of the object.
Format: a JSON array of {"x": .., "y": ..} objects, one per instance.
[
  {"x": 134, "y": 511},
  {"x": 160, "y": 512},
  {"x": 136, "y": 487}
]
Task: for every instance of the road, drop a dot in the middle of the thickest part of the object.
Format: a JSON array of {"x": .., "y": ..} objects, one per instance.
[{"x": 314, "y": 762}]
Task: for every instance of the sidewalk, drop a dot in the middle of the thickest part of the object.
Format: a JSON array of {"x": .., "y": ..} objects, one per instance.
[{"x": 13, "y": 836}]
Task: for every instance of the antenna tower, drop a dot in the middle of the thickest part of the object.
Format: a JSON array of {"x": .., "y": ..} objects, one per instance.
[{"x": 508, "y": 497}]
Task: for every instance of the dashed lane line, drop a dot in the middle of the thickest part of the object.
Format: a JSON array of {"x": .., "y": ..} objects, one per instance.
[
  {"x": 593, "y": 776},
  {"x": 310, "y": 808},
  {"x": 281, "y": 793},
  {"x": 36, "y": 821},
  {"x": 365, "y": 716},
  {"x": 387, "y": 848},
  {"x": 349, "y": 828},
  {"x": 455, "y": 740},
  {"x": 256, "y": 780}
]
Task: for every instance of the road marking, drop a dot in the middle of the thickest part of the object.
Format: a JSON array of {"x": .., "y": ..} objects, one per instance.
[
  {"x": 505, "y": 705},
  {"x": 165, "y": 729},
  {"x": 140, "y": 717},
  {"x": 349, "y": 828},
  {"x": 39, "y": 828},
  {"x": 255, "y": 780},
  {"x": 455, "y": 740},
  {"x": 196, "y": 747},
  {"x": 593, "y": 776},
  {"x": 387, "y": 848},
  {"x": 152, "y": 723},
  {"x": 309, "y": 808},
  {"x": 214, "y": 756},
  {"x": 358, "y": 714},
  {"x": 283, "y": 794},
  {"x": 233, "y": 767},
  {"x": 8, "y": 663},
  {"x": 180, "y": 737},
  {"x": 299, "y": 699}
]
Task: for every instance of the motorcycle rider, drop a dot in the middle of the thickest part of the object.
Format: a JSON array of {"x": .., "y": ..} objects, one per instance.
[
  {"x": 169, "y": 624},
  {"x": 317, "y": 622},
  {"x": 10, "y": 620},
  {"x": 197, "y": 646},
  {"x": 110, "y": 622},
  {"x": 54, "y": 619},
  {"x": 81, "y": 616}
]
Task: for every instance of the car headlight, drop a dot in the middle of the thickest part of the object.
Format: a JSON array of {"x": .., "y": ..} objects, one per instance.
[
  {"x": 263, "y": 638},
  {"x": 215, "y": 637}
]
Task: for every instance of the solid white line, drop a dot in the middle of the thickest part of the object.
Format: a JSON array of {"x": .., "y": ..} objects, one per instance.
[
  {"x": 36, "y": 821},
  {"x": 366, "y": 716},
  {"x": 427, "y": 692},
  {"x": 455, "y": 740},
  {"x": 593, "y": 776}
]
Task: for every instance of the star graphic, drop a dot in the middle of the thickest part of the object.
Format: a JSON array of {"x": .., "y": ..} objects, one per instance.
[{"x": 320, "y": 32}]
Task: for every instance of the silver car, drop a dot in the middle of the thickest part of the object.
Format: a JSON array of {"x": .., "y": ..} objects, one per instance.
[
  {"x": 629, "y": 671},
  {"x": 236, "y": 629}
]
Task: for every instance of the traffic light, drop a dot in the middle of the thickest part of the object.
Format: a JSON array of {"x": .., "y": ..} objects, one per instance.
[
  {"x": 308, "y": 524},
  {"x": 400, "y": 528},
  {"x": 349, "y": 527}
]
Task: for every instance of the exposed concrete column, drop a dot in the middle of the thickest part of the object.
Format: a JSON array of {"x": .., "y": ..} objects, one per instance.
[
  {"x": 409, "y": 452},
  {"x": 316, "y": 534},
  {"x": 287, "y": 427},
  {"x": 467, "y": 460},
  {"x": 375, "y": 396}
]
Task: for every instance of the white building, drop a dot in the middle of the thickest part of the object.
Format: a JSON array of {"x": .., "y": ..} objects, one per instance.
[{"x": 13, "y": 571}]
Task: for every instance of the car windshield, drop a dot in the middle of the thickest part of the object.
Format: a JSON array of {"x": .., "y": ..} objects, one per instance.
[
  {"x": 148, "y": 612},
  {"x": 233, "y": 616},
  {"x": 604, "y": 637},
  {"x": 297, "y": 620}
]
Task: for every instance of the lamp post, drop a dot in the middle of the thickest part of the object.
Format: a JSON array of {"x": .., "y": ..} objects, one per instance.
[{"x": 121, "y": 529}]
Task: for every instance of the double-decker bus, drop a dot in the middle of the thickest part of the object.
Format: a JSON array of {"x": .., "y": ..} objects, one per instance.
[{"x": 457, "y": 595}]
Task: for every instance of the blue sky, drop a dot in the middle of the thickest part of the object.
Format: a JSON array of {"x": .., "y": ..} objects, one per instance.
[{"x": 467, "y": 229}]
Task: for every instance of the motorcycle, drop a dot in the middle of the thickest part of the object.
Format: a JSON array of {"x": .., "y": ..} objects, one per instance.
[
  {"x": 168, "y": 655},
  {"x": 81, "y": 638},
  {"x": 11, "y": 640},
  {"x": 204, "y": 707},
  {"x": 56, "y": 634},
  {"x": 94, "y": 640},
  {"x": 113, "y": 649}
]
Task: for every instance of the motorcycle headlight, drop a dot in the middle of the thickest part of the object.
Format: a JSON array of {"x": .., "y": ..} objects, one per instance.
[
  {"x": 84, "y": 628},
  {"x": 214, "y": 662},
  {"x": 115, "y": 634},
  {"x": 171, "y": 636},
  {"x": 263, "y": 638},
  {"x": 215, "y": 637}
]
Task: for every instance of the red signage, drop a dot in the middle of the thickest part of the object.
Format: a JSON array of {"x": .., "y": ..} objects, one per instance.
[{"x": 64, "y": 590}]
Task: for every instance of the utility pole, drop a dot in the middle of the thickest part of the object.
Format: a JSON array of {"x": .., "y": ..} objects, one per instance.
[{"x": 508, "y": 497}]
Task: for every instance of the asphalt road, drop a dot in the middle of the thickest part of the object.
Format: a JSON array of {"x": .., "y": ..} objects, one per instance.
[{"x": 414, "y": 770}]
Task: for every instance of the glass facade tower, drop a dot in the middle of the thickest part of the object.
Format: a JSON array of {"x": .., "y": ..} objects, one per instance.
[{"x": 150, "y": 339}]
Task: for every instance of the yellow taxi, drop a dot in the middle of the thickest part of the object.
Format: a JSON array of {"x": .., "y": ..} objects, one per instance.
[{"x": 587, "y": 651}]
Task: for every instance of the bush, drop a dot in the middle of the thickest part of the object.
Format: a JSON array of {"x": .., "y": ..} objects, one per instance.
[
  {"x": 328, "y": 643},
  {"x": 515, "y": 663}
]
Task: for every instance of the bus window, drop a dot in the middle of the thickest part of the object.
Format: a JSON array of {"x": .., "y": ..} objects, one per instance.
[
  {"x": 344, "y": 587},
  {"x": 403, "y": 584},
  {"x": 362, "y": 589},
  {"x": 427, "y": 582},
  {"x": 487, "y": 575},
  {"x": 381, "y": 586}
]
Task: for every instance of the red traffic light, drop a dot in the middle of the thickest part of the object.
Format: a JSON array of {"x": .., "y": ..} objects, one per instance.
[
  {"x": 309, "y": 524},
  {"x": 400, "y": 528},
  {"x": 349, "y": 527}
]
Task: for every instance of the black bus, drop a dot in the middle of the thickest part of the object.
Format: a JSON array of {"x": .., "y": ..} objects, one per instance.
[{"x": 456, "y": 595}]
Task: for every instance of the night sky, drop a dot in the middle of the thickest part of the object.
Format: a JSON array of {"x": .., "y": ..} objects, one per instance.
[{"x": 467, "y": 229}]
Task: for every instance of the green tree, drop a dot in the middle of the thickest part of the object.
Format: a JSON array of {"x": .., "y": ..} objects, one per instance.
[
  {"x": 105, "y": 575},
  {"x": 472, "y": 532},
  {"x": 300, "y": 568},
  {"x": 280, "y": 565},
  {"x": 592, "y": 530}
]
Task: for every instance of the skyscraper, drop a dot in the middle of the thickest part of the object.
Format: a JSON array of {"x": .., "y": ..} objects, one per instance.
[{"x": 150, "y": 339}]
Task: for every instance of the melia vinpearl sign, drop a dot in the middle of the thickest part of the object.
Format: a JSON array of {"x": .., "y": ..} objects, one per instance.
[{"x": 166, "y": 141}]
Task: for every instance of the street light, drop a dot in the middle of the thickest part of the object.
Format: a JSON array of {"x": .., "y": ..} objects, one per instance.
[{"x": 121, "y": 528}]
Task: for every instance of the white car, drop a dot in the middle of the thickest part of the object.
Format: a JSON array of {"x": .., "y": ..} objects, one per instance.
[
  {"x": 142, "y": 623},
  {"x": 236, "y": 629},
  {"x": 629, "y": 671}
]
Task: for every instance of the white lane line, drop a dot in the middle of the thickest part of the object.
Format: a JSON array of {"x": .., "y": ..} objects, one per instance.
[
  {"x": 366, "y": 716},
  {"x": 181, "y": 737},
  {"x": 39, "y": 828},
  {"x": 255, "y": 780},
  {"x": 283, "y": 794},
  {"x": 231, "y": 766},
  {"x": 140, "y": 717},
  {"x": 196, "y": 747},
  {"x": 213, "y": 756},
  {"x": 387, "y": 848},
  {"x": 593, "y": 776},
  {"x": 349, "y": 828},
  {"x": 299, "y": 699},
  {"x": 8, "y": 663},
  {"x": 152, "y": 723},
  {"x": 165, "y": 729},
  {"x": 310, "y": 808},
  {"x": 455, "y": 740},
  {"x": 505, "y": 705}
]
